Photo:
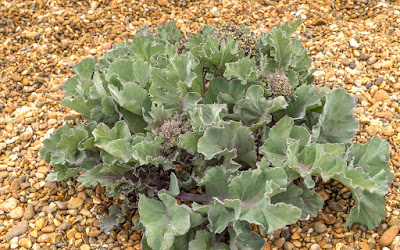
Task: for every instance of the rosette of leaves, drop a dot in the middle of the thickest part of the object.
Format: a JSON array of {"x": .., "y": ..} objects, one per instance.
[{"x": 199, "y": 122}]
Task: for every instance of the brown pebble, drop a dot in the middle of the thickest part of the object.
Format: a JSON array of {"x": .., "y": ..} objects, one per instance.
[
  {"x": 18, "y": 230},
  {"x": 49, "y": 229},
  {"x": 75, "y": 203},
  {"x": 388, "y": 236},
  {"x": 381, "y": 95}
]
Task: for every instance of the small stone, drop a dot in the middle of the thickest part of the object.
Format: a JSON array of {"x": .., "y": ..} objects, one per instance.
[
  {"x": 320, "y": 22},
  {"x": 55, "y": 238},
  {"x": 29, "y": 89},
  {"x": 323, "y": 195},
  {"x": 49, "y": 229},
  {"x": 40, "y": 223},
  {"x": 52, "y": 121},
  {"x": 214, "y": 11},
  {"x": 71, "y": 233},
  {"x": 319, "y": 227},
  {"x": 16, "y": 213},
  {"x": 346, "y": 61},
  {"x": 381, "y": 95},
  {"x": 18, "y": 230},
  {"x": 288, "y": 246},
  {"x": 377, "y": 65},
  {"x": 107, "y": 46},
  {"x": 27, "y": 135},
  {"x": 62, "y": 205},
  {"x": 25, "y": 242},
  {"x": 31, "y": 34},
  {"x": 43, "y": 238},
  {"x": 296, "y": 236},
  {"x": 85, "y": 247},
  {"x": 94, "y": 232},
  {"x": 15, "y": 77},
  {"x": 75, "y": 203},
  {"x": 363, "y": 56},
  {"x": 9, "y": 204},
  {"x": 65, "y": 226},
  {"x": 354, "y": 43},
  {"x": 335, "y": 206},
  {"x": 315, "y": 247},
  {"x": 279, "y": 242},
  {"x": 388, "y": 236},
  {"x": 162, "y": 2},
  {"x": 394, "y": 222},
  {"x": 371, "y": 60}
]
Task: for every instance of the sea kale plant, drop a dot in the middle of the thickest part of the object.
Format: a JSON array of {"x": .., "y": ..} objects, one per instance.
[{"x": 211, "y": 135}]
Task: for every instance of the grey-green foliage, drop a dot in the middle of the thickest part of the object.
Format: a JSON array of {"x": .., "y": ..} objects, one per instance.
[{"x": 245, "y": 123}]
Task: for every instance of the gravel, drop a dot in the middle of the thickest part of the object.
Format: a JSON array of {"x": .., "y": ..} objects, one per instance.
[{"x": 354, "y": 44}]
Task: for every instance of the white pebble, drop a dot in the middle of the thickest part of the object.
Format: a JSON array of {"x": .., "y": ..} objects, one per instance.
[
  {"x": 14, "y": 246},
  {"x": 354, "y": 43}
]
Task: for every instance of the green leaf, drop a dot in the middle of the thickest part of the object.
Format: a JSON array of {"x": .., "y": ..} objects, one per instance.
[
  {"x": 163, "y": 220},
  {"x": 218, "y": 53},
  {"x": 243, "y": 69},
  {"x": 243, "y": 238},
  {"x": 336, "y": 123},
  {"x": 84, "y": 69},
  {"x": 220, "y": 91},
  {"x": 245, "y": 200},
  {"x": 115, "y": 141},
  {"x": 115, "y": 217},
  {"x": 137, "y": 71},
  {"x": 116, "y": 178},
  {"x": 170, "y": 85},
  {"x": 275, "y": 147},
  {"x": 205, "y": 240},
  {"x": 234, "y": 142},
  {"x": 168, "y": 32},
  {"x": 255, "y": 110},
  {"x": 145, "y": 48},
  {"x": 81, "y": 105},
  {"x": 305, "y": 99},
  {"x": 189, "y": 141},
  {"x": 203, "y": 116},
  {"x": 148, "y": 151},
  {"x": 372, "y": 158},
  {"x": 370, "y": 206},
  {"x": 132, "y": 98}
]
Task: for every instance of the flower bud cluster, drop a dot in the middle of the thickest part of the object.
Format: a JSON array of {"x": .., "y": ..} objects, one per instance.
[
  {"x": 279, "y": 84},
  {"x": 171, "y": 130},
  {"x": 247, "y": 43}
]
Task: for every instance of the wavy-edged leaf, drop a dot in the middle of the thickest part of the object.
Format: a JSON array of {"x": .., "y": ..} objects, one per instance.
[
  {"x": 372, "y": 158},
  {"x": 127, "y": 70},
  {"x": 132, "y": 98},
  {"x": 218, "y": 53},
  {"x": 244, "y": 69},
  {"x": 168, "y": 32},
  {"x": 305, "y": 99},
  {"x": 85, "y": 68},
  {"x": 163, "y": 220},
  {"x": 336, "y": 123},
  {"x": 206, "y": 240},
  {"x": 203, "y": 116},
  {"x": 255, "y": 110},
  {"x": 233, "y": 141},
  {"x": 245, "y": 197},
  {"x": 243, "y": 238},
  {"x": 147, "y": 151},
  {"x": 220, "y": 91},
  {"x": 116, "y": 141},
  {"x": 274, "y": 148},
  {"x": 117, "y": 178}
]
